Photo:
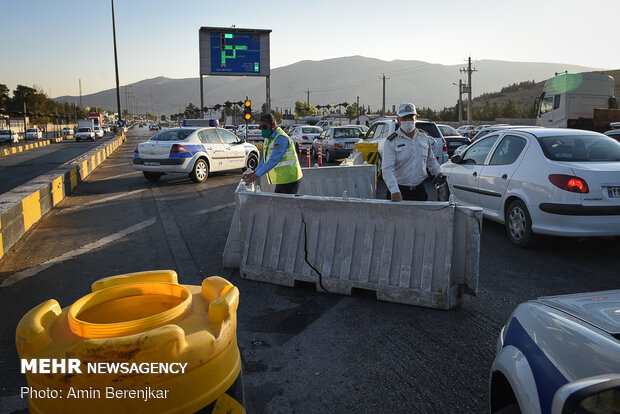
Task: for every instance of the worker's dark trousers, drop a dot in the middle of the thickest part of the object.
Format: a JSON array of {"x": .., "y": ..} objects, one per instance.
[
  {"x": 417, "y": 193},
  {"x": 288, "y": 188}
]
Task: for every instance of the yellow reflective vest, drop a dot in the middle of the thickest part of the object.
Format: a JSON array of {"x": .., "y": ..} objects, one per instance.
[{"x": 288, "y": 169}]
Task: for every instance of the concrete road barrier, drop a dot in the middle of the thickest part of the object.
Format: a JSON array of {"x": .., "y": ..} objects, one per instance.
[
  {"x": 5, "y": 152},
  {"x": 23, "y": 206},
  {"x": 423, "y": 254},
  {"x": 355, "y": 158},
  {"x": 418, "y": 253},
  {"x": 357, "y": 181}
]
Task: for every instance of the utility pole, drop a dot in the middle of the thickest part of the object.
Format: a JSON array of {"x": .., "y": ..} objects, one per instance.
[
  {"x": 118, "y": 87},
  {"x": 469, "y": 71},
  {"x": 383, "y": 106},
  {"x": 358, "y": 110},
  {"x": 460, "y": 104},
  {"x": 80, "y": 82},
  {"x": 308, "y": 102}
]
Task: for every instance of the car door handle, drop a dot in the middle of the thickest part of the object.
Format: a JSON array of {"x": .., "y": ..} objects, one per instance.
[
  {"x": 504, "y": 176},
  {"x": 475, "y": 173}
]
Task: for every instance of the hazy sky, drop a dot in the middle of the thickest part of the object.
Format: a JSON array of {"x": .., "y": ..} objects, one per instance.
[{"x": 53, "y": 43}]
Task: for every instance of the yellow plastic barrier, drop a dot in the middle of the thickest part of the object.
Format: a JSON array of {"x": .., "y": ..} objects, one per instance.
[
  {"x": 369, "y": 150},
  {"x": 133, "y": 321}
]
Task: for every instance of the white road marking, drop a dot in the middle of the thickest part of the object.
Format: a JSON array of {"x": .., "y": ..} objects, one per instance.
[
  {"x": 216, "y": 208},
  {"x": 16, "y": 277},
  {"x": 117, "y": 176},
  {"x": 103, "y": 200},
  {"x": 115, "y": 165}
]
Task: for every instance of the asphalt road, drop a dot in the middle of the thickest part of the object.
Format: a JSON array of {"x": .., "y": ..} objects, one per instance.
[
  {"x": 302, "y": 351},
  {"x": 22, "y": 167}
]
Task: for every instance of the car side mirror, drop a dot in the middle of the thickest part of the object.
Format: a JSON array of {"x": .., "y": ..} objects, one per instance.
[
  {"x": 456, "y": 159},
  {"x": 599, "y": 394}
]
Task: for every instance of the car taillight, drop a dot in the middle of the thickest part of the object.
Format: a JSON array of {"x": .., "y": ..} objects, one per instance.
[
  {"x": 337, "y": 145},
  {"x": 177, "y": 149},
  {"x": 305, "y": 137},
  {"x": 569, "y": 183},
  {"x": 135, "y": 150},
  {"x": 445, "y": 145}
]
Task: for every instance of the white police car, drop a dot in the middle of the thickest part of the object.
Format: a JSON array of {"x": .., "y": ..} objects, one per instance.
[
  {"x": 559, "y": 354},
  {"x": 195, "y": 151}
]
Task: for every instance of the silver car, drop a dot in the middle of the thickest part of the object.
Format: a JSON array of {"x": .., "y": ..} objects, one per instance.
[
  {"x": 337, "y": 142},
  {"x": 559, "y": 354}
]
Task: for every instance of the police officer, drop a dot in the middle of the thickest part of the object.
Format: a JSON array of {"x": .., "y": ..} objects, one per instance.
[
  {"x": 407, "y": 154},
  {"x": 279, "y": 161}
]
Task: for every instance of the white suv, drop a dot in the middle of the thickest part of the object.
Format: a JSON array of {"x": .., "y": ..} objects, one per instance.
[{"x": 380, "y": 130}]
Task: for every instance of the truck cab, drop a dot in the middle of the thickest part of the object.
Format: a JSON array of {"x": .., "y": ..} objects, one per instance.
[{"x": 574, "y": 101}]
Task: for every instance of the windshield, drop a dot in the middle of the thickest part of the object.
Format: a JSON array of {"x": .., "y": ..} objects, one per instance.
[
  {"x": 251, "y": 127},
  {"x": 84, "y": 130},
  {"x": 5, "y": 132},
  {"x": 580, "y": 148},
  {"x": 448, "y": 131},
  {"x": 346, "y": 133},
  {"x": 311, "y": 130},
  {"x": 172, "y": 135},
  {"x": 430, "y": 129},
  {"x": 31, "y": 130}
]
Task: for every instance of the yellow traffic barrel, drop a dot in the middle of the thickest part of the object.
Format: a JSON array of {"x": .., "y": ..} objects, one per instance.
[
  {"x": 369, "y": 150},
  {"x": 139, "y": 343}
]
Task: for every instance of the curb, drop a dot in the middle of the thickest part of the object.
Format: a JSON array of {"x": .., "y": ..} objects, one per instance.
[
  {"x": 24, "y": 206},
  {"x": 5, "y": 152}
]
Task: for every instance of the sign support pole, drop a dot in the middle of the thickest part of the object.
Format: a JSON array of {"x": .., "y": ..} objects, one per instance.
[
  {"x": 202, "y": 99},
  {"x": 268, "y": 92}
]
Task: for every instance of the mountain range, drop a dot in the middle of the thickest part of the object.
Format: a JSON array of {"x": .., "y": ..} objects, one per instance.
[{"x": 332, "y": 81}]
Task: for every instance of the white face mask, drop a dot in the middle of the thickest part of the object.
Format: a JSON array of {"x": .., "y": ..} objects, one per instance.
[{"x": 407, "y": 126}]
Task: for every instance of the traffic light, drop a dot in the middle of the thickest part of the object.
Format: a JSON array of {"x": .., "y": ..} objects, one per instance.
[{"x": 247, "y": 110}]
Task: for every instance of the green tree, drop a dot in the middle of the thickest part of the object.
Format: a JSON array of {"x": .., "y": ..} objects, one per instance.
[
  {"x": 302, "y": 110},
  {"x": 351, "y": 111},
  {"x": 511, "y": 110},
  {"x": 4, "y": 97},
  {"x": 191, "y": 111}
]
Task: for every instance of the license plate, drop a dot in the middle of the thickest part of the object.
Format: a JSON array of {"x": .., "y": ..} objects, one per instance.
[
  {"x": 613, "y": 192},
  {"x": 151, "y": 163},
  {"x": 348, "y": 146}
]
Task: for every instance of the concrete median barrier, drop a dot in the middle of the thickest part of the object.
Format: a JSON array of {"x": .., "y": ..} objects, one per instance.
[
  {"x": 23, "y": 206},
  {"x": 5, "y": 152}
]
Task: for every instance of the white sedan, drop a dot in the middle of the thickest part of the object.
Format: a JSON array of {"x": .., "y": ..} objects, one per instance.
[
  {"x": 304, "y": 135},
  {"x": 195, "y": 151},
  {"x": 553, "y": 181},
  {"x": 99, "y": 132}
]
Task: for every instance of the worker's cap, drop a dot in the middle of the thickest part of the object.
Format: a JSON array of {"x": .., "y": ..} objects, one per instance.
[{"x": 405, "y": 109}]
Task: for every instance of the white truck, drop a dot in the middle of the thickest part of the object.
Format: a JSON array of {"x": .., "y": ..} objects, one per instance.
[
  {"x": 578, "y": 100},
  {"x": 86, "y": 130}
]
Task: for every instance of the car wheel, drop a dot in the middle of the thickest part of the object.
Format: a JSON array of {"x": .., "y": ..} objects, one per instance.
[
  {"x": 313, "y": 153},
  {"x": 328, "y": 156},
  {"x": 252, "y": 162},
  {"x": 151, "y": 176},
  {"x": 519, "y": 225},
  {"x": 200, "y": 172}
]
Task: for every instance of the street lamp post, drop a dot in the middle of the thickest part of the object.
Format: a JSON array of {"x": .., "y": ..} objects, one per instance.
[{"x": 118, "y": 88}]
